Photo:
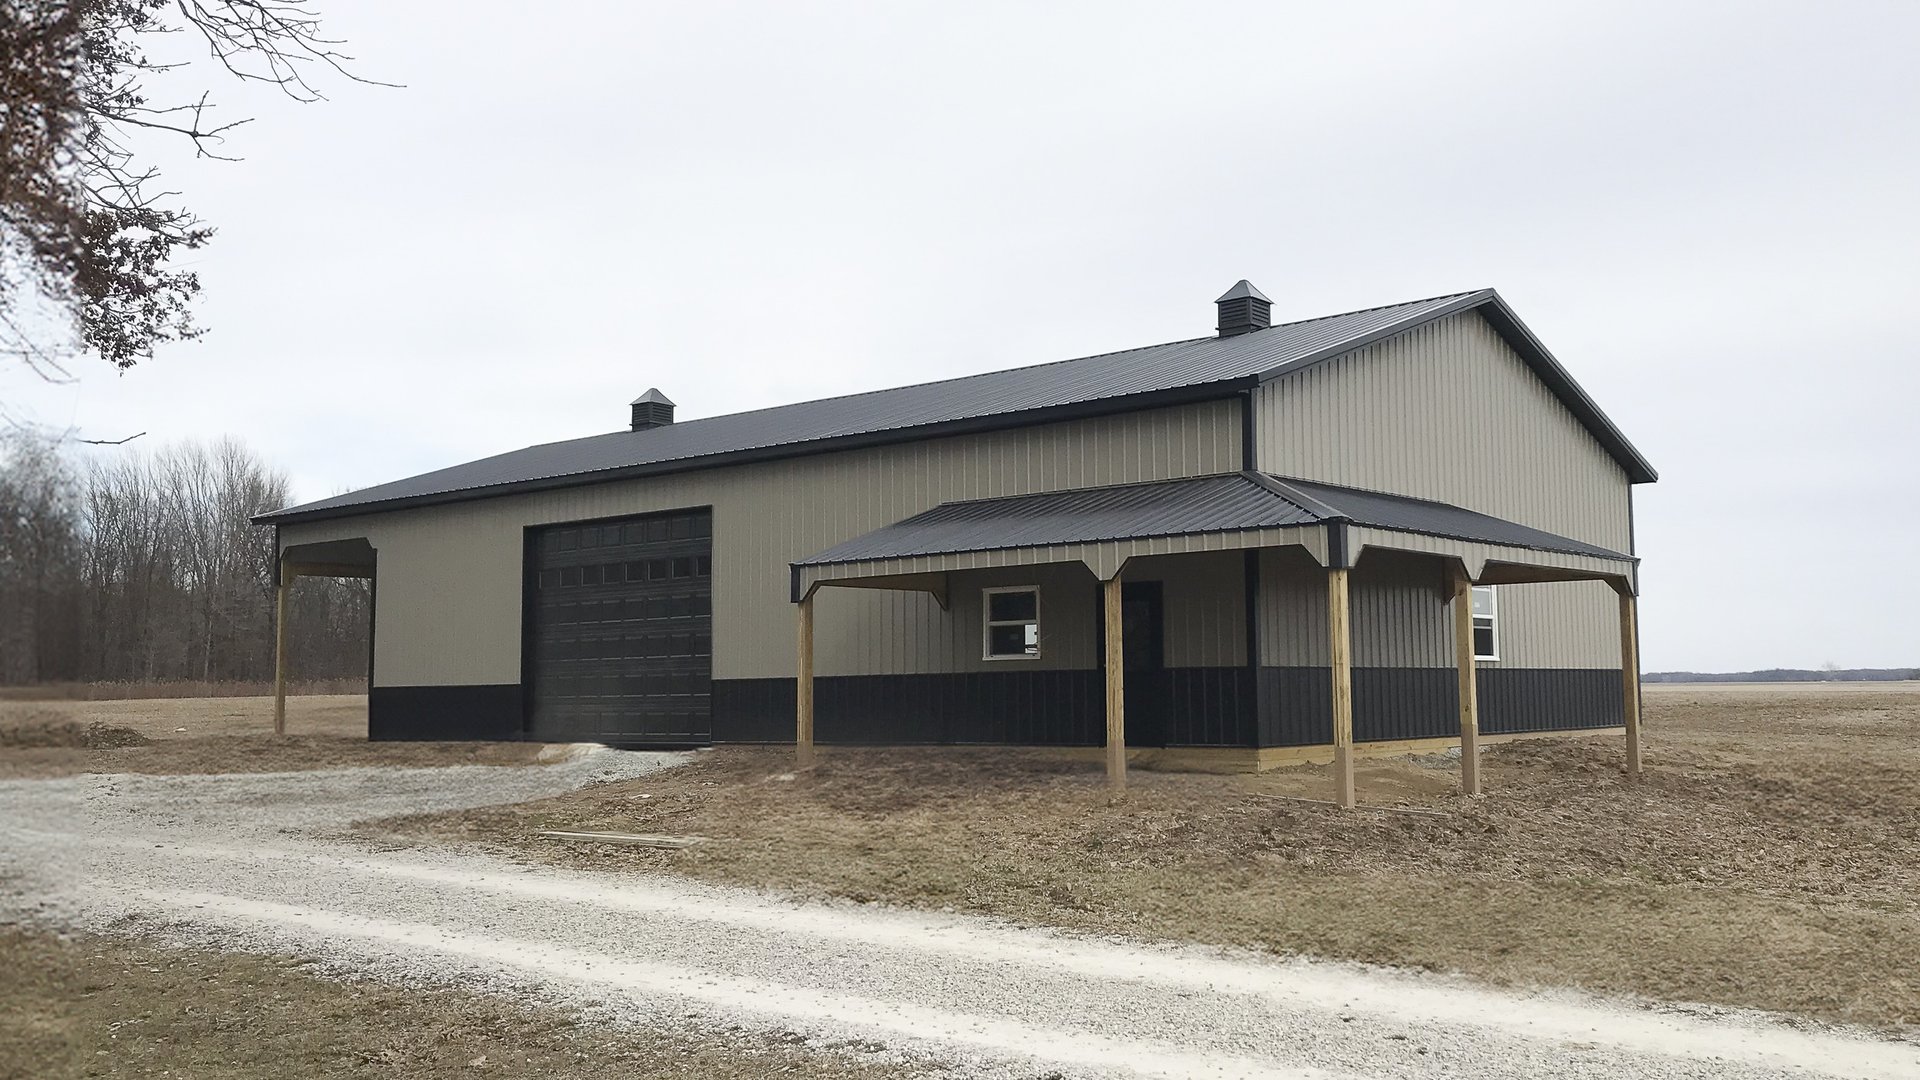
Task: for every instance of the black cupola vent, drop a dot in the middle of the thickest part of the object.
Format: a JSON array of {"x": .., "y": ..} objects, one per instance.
[
  {"x": 652, "y": 410},
  {"x": 1244, "y": 309}
]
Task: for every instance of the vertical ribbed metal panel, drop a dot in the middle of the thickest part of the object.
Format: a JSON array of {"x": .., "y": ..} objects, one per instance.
[
  {"x": 1447, "y": 412},
  {"x": 1293, "y": 609},
  {"x": 450, "y": 583},
  {"x": 1400, "y": 612},
  {"x": 1204, "y": 600},
  {"x": 1450, "y": 412},
  {"x": 1561, "y": 624}
]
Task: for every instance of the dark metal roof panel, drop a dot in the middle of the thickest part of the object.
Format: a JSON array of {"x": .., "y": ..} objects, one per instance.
[
  {"x": 1224, "y": 503},
  {"x": 1226, "y": 362},
  {"x": 1205, "y": 504},
  {"x": 1405, "y": 514}
]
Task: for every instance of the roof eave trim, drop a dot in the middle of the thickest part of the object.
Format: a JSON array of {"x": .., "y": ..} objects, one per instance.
[
  {"x": 1220, "y": 389},
  {"x": 1600, "y": 553},
  {"x": 1508, "y": 325},
  {"x": 1029, "y": 546}
]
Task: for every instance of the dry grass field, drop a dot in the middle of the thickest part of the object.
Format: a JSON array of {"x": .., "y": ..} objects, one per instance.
[
  {"x": 205, "y": 735},
  {"x": 1770, "y": 858},
  {"x": 173, "y": 688},
  {"x": 111, "y": 1008}
]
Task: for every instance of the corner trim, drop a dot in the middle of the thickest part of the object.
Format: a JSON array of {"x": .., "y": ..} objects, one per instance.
[{"x": 1339, "y": 550}]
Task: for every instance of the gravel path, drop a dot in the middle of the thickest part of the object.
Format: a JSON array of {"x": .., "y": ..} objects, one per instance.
[{"x": 248, "y": 862}]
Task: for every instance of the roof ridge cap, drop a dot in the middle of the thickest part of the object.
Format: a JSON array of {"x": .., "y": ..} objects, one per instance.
[
  {"x": 1280, "y": 489},
  {"x": 929, "y": 382},
  {"x": 1381, "y": 307}
]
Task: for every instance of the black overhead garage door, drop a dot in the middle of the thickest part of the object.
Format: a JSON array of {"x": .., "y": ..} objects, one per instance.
[{"x": 620, "y": 630}]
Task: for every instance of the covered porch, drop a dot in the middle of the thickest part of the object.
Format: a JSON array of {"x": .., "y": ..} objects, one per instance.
[
  {"x": 352, "y": 558},
  {"x": 1124, "y": 556}
]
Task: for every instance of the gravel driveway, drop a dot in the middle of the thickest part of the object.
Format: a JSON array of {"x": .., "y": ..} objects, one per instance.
[{"x": 253, "y": 862}]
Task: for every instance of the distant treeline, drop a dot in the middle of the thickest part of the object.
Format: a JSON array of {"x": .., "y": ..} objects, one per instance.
[
  {"x": 1898, "y": 674},
  {"x": 144, "y": 567}
]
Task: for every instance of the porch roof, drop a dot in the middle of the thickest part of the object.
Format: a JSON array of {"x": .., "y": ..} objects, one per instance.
[{"x": 1230, "y": 502}]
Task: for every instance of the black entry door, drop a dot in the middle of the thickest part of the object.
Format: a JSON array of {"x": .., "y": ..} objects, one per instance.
[
  {"x": 1142, "y": 649},
  {"x": 620, "y": 630}
]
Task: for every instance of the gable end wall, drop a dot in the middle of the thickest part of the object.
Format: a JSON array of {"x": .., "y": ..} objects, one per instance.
[{"x": 1448, "y": 412}]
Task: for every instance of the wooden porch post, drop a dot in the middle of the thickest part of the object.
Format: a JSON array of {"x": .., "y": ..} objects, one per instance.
[
  {"x": 1116, "y": 689},
  {"x": 803, "y": 695},
  {"x": 1469, "y": 693},
  {"x": 1630, "y": 678},
  {"x": 285, "y": 577},
  {"x": 1340, "y": 655}
]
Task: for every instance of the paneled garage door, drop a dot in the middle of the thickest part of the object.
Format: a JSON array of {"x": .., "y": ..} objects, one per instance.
[{"x": 620, "y": 630}]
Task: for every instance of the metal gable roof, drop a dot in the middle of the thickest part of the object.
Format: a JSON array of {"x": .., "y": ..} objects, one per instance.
[
  {"x": 1403, "y": 513},
  {"x": 1223, "y": 503},
  {"x": 1136, "y": 378},
  {"x": 1229, "y": 502}
]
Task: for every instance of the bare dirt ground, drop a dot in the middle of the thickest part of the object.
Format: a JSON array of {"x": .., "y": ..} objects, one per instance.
[
  {"x": 210, "y": 735},
  {"x": 102, "y": 1006},
  {"x": 1770, "y": 858},
  {"x": 266, "y": 865}
]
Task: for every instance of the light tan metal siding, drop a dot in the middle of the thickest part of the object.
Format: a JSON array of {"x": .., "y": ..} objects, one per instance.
[
  {"x": 1293, "y": 609},
  {"x": 1561, "y": 624},
  {"x": 450, "y": 576},
  {"x": 1203, "y": 597},
  {"x": 1399, "y": 613},
  {"x": 910, "y": 634},
  {"x": 1450, "y": 412},
  {"x": 1401, "y": 618},
  {"x": 1446, "y": 412}
]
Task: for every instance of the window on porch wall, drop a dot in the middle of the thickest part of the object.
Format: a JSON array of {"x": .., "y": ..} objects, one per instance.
[
  {"x": 1012, "y": 623},
  {"x": 1486, "y": 618}
]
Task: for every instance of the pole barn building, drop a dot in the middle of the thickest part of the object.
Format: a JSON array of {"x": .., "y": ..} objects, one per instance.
[{"x": 1392, "y": 529}]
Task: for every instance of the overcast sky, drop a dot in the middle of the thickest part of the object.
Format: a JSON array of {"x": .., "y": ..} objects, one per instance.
[{"x": 1710, "y": 212}]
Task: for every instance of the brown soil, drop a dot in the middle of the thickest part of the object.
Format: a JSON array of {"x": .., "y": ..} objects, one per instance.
[
  {"x": 212, "y": 735},
  {"x": 1770, "y": 858},
  {"x": 113, "y": 1007},
  {"x": 39, "y": 732}
]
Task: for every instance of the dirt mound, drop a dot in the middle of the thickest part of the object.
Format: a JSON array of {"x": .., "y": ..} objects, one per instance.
[{"x": 55, "y": 732}]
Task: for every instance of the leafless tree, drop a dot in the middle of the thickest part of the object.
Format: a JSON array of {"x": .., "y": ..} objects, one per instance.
[
  {"x": 88, "y": 236},
  {"x": 146, "y": 567},
  {"x": 38, "y": 525}
]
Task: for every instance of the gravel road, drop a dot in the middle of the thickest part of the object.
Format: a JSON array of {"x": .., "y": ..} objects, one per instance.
[{"x": 256, "y": 862}]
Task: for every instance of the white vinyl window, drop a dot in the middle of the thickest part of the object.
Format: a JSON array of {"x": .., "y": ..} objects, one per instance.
[
  {"x": 1011, "y": 625},
  {"x": 1486, "y": 623}
]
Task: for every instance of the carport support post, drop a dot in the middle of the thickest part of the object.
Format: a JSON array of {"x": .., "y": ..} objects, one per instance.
[
  {"x": 1630, "y": 677},
  {"x": 285, "y": 578},
  {"x": 1116, "y": 689},
  {"x": 1469, "y": 692},
  {"x": 803, "y": 695},
  {"x": 1340, "y": 656}
]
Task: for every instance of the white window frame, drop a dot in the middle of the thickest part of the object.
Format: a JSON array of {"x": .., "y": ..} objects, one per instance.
[
  {"x": 1493, "y": 622},
  {"x": 987, "y": 623}
]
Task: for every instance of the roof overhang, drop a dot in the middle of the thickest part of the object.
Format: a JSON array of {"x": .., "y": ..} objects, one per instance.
[
  {"x": 1104, "y": 527},
  {"x": 1215, "y": 384}
]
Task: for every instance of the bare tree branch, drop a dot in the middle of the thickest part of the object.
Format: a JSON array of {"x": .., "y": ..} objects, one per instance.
[{"x": 84, "y": 227}]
